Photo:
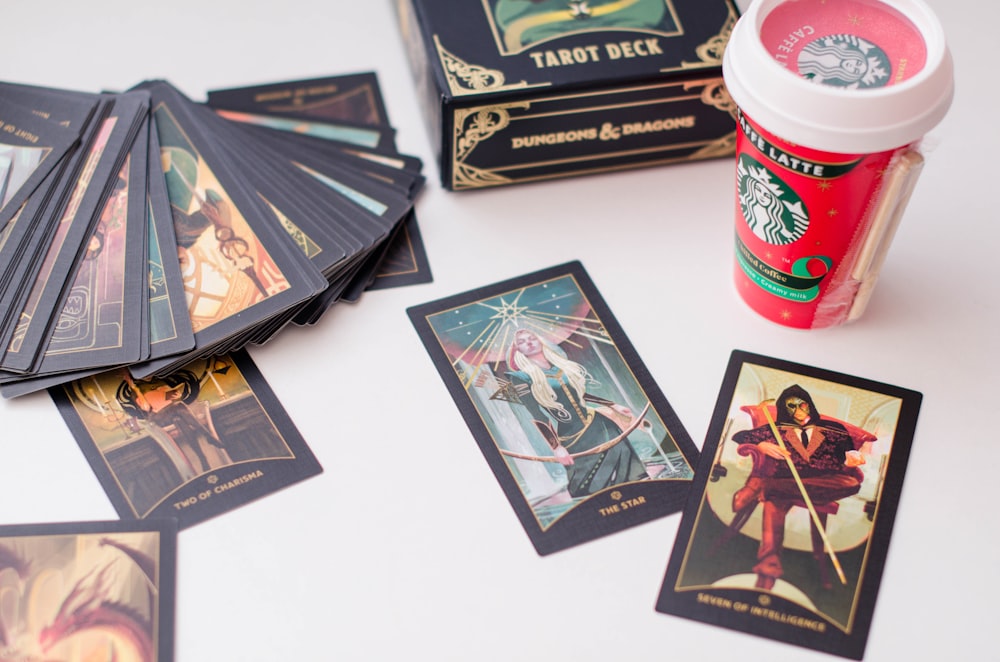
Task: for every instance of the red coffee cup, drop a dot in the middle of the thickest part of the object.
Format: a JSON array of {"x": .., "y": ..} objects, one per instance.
[{"x": 834, "y": 97}]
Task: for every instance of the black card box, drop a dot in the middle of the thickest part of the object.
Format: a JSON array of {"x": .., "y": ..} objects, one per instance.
[{"x": 525, "y": 90}]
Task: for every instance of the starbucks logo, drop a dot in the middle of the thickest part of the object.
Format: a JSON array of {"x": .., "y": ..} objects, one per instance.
[
  {"x": 772, "y": 210},
  {"x": 844, "y": 60}
]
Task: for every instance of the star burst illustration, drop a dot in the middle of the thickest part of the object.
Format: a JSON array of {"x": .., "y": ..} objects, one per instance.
[{"x": 482, "y": 332}]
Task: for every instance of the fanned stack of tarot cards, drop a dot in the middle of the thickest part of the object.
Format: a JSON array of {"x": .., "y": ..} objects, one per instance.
[{"x": 146, "y": 230}]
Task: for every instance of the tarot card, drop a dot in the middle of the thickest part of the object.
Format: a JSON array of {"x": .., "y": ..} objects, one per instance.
[
  {"x": 27, "y": 235},
  {"x": 400, "y": 261},
  {"x": 332, "y": 229},
  {"x": 238, "y": 269},
  {"x": 346, "y": 147},
  {"x": 316, "y": 218},
  {"x": 576, "y": 431},
  {"x": 351, "y": 97},
  {"x": 405, "y": 261},
  {"x": 376, "y": 211},
  {"x": 361, "y": 135},
  {"x": 379, "y": 167},
  {"x": 367, "y": 273},
  {"x": 65, "y": 111},
  {"x": 98, "y": 325},
  {"x": 787, "y": 528},
  {"x": 347, "y": 108},
  {"x": 371, "y": 209},
  {"x": 30, "y": 146},
  {"x": 378, "y": 207},
  {"x": 314, "y": 210},
  {"x": 65, "y": 226},
  {"x": 20, "y": 238},
  {"x": 98, "y": 176},
  {"x": 354, "y": 97},
  {"x": 72, "y": 590},
  {"x": 380, "y": 196},
  {"x": 192, "y": 445},
  {"x": 68, "y": 108},
  {"x": 169, "y": 326}
]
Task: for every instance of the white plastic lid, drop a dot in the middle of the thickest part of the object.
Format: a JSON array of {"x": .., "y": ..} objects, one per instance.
[{"x": 834, "y": 118}]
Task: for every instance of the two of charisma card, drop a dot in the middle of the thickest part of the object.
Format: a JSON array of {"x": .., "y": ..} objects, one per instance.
[
  {"x": 193, "y": 444},
  {"x": 569, "y": 419},
  {"x": 787, "y": 528},
  {"x": 88, "y": 591}
]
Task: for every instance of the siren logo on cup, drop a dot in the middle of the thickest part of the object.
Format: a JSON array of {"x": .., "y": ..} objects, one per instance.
[
  {"x": 844, "y": 60},
  {"x": 772, "y": 210}
]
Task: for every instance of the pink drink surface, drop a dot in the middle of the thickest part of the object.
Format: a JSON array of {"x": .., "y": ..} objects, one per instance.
[{"x": 854, "y": 44}]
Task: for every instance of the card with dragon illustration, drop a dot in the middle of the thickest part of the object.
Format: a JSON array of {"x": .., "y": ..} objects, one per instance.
[{"x": 88, "y": 591}]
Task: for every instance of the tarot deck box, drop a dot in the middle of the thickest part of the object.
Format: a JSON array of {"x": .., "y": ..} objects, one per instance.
[{"x": 525, "y": 90}]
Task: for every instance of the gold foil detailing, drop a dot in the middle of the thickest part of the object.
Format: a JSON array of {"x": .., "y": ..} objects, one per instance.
[
  {"x": 466, "y": 176},
  {"x": 473, "y": 126},
  {"x": 710, "y": 52},
  {"x": 716, "y": 95},
  {"x": 724, "y": 146},
  {"x": 464, "y": 78}
]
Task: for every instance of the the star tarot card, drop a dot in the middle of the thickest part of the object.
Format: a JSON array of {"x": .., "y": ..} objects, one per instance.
[{"x": 570, "y": 421}]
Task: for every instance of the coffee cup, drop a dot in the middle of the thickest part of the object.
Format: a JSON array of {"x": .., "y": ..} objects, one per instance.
[{"x": 833, "y": 100}]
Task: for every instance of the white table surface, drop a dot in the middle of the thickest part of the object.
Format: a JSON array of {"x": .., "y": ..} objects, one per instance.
[{"x": 405, "y": 547}]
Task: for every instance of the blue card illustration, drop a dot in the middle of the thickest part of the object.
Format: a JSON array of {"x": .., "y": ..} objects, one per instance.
[{"x": 572, "y": 424}]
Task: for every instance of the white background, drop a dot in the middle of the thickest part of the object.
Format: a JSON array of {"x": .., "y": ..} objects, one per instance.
[{"x": 405, "y": 547}]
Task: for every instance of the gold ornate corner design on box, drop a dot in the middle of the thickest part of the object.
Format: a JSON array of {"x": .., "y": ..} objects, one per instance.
[
  {"x": 724, "y": 146},
  {"x": 467, "y": 177},
  {"x": 710, "y": 52},
  {"x": 715, "y": 94},
  {"x": 474, "y": 126},
  {"x": 465, "y": 78}
]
